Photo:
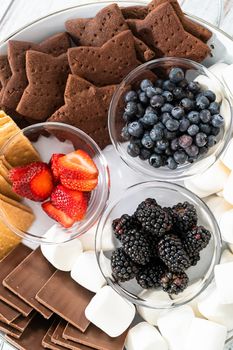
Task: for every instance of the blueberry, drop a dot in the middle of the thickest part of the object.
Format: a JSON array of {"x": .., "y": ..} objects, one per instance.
[
  {"x": 203, "y": 150},
  {"x": 168, "y": 85},
  {"x": 131, "y": 108},
  {"x": 194, "y": 117},
  {"x": 135, "y": 129},
  {"x": 133, "y": 150},
  {"x": 180, "y": 157},
  {"x": 136, "y": 141},
  {"x": 131, "y": 96},
  {"x": 185, "y": 141},
  {"x": 149, "y": 119},
  {"x": 167, "y": 107},
  {"x": 159, "y": 83},
  {"x": 156, "y": 133},
  {"x": 156, "y": 160},
  {"x": 144, "y": 154},
  {"x": 193, "y": 130},
  {"x": 169, "y": 135},
  {"x": 174, "y": 144},
  {"x": 205, "y": 116},
  {"x": 147, "y": 142},
  {"x": 217, "y": 120},
  {"x": 176, "y": 75},
  {"x": 187, "y": 104},
  {"x": 158, "y": 151},
  {"x": 143, "y": 98},
  {"x": 215, "y": 131},
  {"x": 172, "y": 124},
  {"x": 202, "y": 102},
  {"x": 162, "y": 144},
  {"x": 184, "y": 124},
  {"x": 210, "y": 95},
  {"x": 178, "y": 93},
  {"x": 141, "y": 111},
  {"x": 157, "y": 101},
  {"x": 160, "y": 125},
  {"x": 150, "y": 109},
  {"x": 214, "y": 108},
  {"x": 125, "y": 134},
  {"x": 192, "y": 151},
  {"x": 205, "y": 128},
  {"x": 128, "y": 118},
  {"x": 201, "y": 139},
  {"x": 151, "y": 91},
  {"x": 194, "y": 87},
  {"x": 183, "y": 83},
  {"x": 189, "y": 95},
  {"x": 171, "y": 163},
  {"x": 177, "y": 112},
  {"x": 168, "y": 151},
  {"x": 168, "y": 96},
  {"x": 165, "y": 117},
  {"x": 145, "y": 84},
  {"x": 211, "y": 141}
]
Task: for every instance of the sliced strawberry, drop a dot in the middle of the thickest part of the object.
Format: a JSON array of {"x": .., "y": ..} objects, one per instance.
[
  {"x": 77, "y": 165},
  {"x": 73, "y": 203},
  {"x": 34, "y": 181},
  {"x": 15, "y": 174},
  {"x": 79, "y": 185},
  {"x": 54, "y": 165},
  {"x": 57, "y": 215}
]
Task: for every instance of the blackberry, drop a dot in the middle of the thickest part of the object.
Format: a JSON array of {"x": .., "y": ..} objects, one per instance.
[
  {"x": 185, "y": 216},
  {"x": 174, "y": 283},
  {"x": 195, "y": 240},
  {"x": 153, "y": 218},
  {"x": 149, "y": 276},
  {"x": 123, "y": 268},
  {"x": 172, "y": 253},
  {"x": 194, "y": 259},
  {"x": 136, "y": 246},
  {"x": 123, "y": 225}
]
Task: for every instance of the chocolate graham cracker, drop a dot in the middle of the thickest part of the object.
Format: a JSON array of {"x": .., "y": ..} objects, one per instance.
[
  {"x": 175, "y": 41},
  {"x": 134, "y": 12},
  {"x": 39, "y": 270},
  {"x": 66, "y": 298},
  {"x": 54, "y": 45},
  {"x": 5, "y": 74},
  {"x": 79, "y": 112},
  {"x": 47, "y": 77},
  {"x": 98, "y": 30},
  {"x": 94, "y": 337},
  {"x": 7, "y": 313},
  {"x": 47, "y": 341},
  {"x": 7, "y": 265},
  {"x": 107, "y": 64}
]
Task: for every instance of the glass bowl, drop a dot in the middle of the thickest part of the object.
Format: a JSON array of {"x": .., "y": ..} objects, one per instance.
[
  {"x": 49, "y": 138},
  {"x": 166, "y": 194},
  {"x": 160, "y": 67}
]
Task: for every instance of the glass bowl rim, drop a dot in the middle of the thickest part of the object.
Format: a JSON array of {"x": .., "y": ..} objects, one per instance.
[{"x": 216, "y": 235}]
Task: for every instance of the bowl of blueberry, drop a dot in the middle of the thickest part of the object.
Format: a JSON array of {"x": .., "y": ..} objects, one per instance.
[
  {"x": 165, "y": 245},
  {"x": 170, "y": 119}
]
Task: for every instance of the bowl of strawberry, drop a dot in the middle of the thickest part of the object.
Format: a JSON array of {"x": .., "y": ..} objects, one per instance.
[{"x": 60, "y": 174}]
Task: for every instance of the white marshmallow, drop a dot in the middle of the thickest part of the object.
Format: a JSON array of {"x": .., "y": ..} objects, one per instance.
[
  {"x": 210, "y": 181},
  {"x": 110, "y": 312},
  {"x": 224, "y": 283},
  {"x": 227, "y": 157},
  {"x": 61, "y": 256},
  {"x": 174, "y": 325},
  {"x": 228, "y": 189},
  {"x": 87, "y": 273},
  {"x": 226, "y": 226},
  {"x": 143, "y": 336},
  {"x": 225, "y": 111},
  {"x": 217, "y": 205},
  {"x": 88, "y": 239},
  {"x": 211, "y": 84},
  {"x": 151, "y": 315},
  {"x": 226, "y": 257},
  {"x": 220, "y": 194},
  {"x": 217, "y": 69},
  {"x": 193, "y": 188},
  {"x": 211, "y": 308},
  {"x": 205, "y": 335}
]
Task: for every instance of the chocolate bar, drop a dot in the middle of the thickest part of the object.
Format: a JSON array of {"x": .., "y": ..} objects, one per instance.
[
  {"x": 22, "y": 322},
  {"x": 8, "y": 313},
  {"x": 66, "y": 298},
  {"x": 47, "y": 342},
  {"x": 28, "y": 278},
  {"x": 8, "y": 329}
]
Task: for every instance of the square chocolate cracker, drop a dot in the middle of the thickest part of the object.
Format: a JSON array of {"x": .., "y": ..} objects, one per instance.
[
  {"x": 78, "y": 111},
  {"x": 13, "y": 91},
  {"x": 105, "y": 25},
  {"x": 105, "y": 65},
  {"x": 5, "y": 74},
  {"x": 134, "y": 12},
  {"x": 163, "y": 31},
  {"x": 47, "y": 76},
  {"x": 47, "y": 341}
]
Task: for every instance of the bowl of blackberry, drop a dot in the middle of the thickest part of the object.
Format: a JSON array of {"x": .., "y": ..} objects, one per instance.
[
  {"x": 165, "y": 244},
  {"x": 167, "y": 121}
]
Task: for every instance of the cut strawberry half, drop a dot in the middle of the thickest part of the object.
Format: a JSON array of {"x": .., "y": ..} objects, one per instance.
[
  {"x": 57, "y": 215},
  {"x": 79, "y": 185},
  {"x": 73, "y": 203},
  {"x": 77, "y": 165},
  {"x": 54, "y": 165}
]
